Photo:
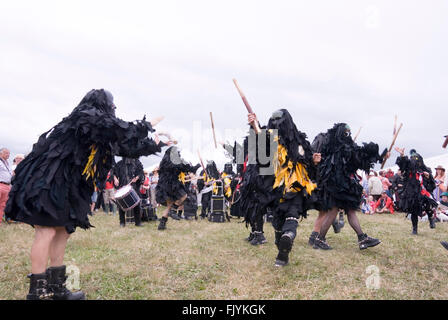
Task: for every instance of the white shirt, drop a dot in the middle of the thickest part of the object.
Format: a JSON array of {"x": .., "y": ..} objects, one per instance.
[{"x": 5, "y": 171}]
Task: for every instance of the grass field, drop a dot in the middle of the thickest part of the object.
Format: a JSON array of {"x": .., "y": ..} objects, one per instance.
[{"x": 204, "y": 260}]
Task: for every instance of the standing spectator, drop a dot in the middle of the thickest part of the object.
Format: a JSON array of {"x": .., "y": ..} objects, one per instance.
[
  {"x": 440, "y": 180},
  {"x": 386, "y": 183},
  {"x": 375, "y": 185},
  {"x": 108, "y": 194},
  {"x": 6, "y": 173},
  {"x": 93, "y": 200},
  {"x": 17, "y": 159},
  {"x": 153, "y": 180}
]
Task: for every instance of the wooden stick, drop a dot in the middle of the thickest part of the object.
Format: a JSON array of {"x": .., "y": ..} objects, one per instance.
[
  {"x": 357, "y": 134},
  {"x": 392, "y": 144},
  {"x": 395, "y": 125},
  {"x": 155, "y": 121},
  {"x": 446, "y": 142},
  {"x": 248, "y": 107},
  {"x": 166, "y": 134},
  {"x": 202, "y": 165},
  {"x": 213, "y": 129}
]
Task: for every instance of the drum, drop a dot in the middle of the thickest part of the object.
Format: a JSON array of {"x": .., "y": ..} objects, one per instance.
[{"x": 127, "y": 198}]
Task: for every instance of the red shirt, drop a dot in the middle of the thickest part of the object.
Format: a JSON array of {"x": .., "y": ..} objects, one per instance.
[{"x": 109, "y": 185}]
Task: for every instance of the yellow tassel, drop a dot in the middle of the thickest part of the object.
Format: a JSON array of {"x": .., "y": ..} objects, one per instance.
[
  {"x": 287, "y": 175},
  {"x": 89, "y": 169},
  {"x": 181, "y": 177}
]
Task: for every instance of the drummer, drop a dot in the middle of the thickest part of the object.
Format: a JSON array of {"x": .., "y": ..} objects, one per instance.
[{"x": 129, "y": 171}]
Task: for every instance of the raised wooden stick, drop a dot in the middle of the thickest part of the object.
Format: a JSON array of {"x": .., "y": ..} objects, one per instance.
[
  {"x": 166, "y": 134},
  {"x": 357, "y": 134},
  {"x": 392, "y": 144},
  {"x": 155, "y": 121},
  {"x": 248, "y": 107},
  {"x": 202, "y": 165},
  {"x": 446, "y": 142},
  {"x": 213, "y": 129}
]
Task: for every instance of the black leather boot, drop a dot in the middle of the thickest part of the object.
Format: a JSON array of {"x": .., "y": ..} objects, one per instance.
[
  {"x": 336, "y": 226},
  {"x": 364, "y": 241},
  {"x": 284, "y": 247},
  {"x": 444, "y": 244},
  {"x": 278, "y": 235},
  {"x": 162, "y": 224},
  {"x": 321, "y": 243},
  {"x": 56, "y": 285},
  {"x": 432, "y": 222},
  {"x": 258, "y": 238},
  {"x": 312, "y": 238},
  {"x": 39, "y": 287},
  {"x": 341, "y": 220}
]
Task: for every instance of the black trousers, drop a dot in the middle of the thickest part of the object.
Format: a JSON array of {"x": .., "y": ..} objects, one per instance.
[
  {"x": 137, "y": 216},
  {"x": 206, "y": 203}
]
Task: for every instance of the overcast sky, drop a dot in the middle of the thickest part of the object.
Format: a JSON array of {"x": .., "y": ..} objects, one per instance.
[{"x": 359, "y": 62}]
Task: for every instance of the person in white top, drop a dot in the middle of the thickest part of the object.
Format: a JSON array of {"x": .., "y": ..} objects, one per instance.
[{"x": 6, "y": 173}]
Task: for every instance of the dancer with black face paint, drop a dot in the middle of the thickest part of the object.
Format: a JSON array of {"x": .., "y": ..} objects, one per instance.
[
  {"x": 52, "y": 187},
  {"x": 290, "y": 184},
  {"x": 418, "y": 185},
  {"x": 338, "y": 182}
]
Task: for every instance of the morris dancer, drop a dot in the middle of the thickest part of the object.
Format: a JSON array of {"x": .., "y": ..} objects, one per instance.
[
  {"x": 53, "y": 185},
  {"x": 289, "y": 187},
  {"x": 418, "y": 185},
  {"x": 339, "y": 186},
  {"x": 171, "y": 190}
]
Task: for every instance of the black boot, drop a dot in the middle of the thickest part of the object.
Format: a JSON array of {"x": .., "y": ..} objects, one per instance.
[
  {"x": 432, "y": 222},
  {"x": 179, "y": 213},
  {"x": 284, "y": 247},
  {"x": 162, "y": 224},
  {"x": 341, "y": 220},
  {"x": 278, "y": 235},
  {"x": 250, "y": 237},
  {"x": 321, "y": 243},
  {"x": 313, "y": 237},
  {"x": 39, "y": 287},
  {"x": 414, "y": 220},
  {"x": 258, "y": 238},
  {"x": 336, "y": 226},
  {"x": 364, "y": 241},
  {"x": 173, "y": 214},
  {"x": 56, "y": 285},
  {"x": 444, "y": 244}
]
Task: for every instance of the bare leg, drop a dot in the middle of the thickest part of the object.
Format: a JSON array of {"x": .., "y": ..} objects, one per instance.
[
  {"x": 167, "y": 209},
  {"x": 57, "y": 247},
  {"x": 40, "y": 251},
  {"x": 327, "y": 222},
  {"x": 318, "y": 223},
  {"x": 179, "y": 202}
]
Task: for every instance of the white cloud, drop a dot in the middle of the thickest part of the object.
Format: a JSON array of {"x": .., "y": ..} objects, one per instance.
[{"x": 359, "y": 63}]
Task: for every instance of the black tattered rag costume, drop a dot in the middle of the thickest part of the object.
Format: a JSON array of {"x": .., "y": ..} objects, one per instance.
[{"x": 53, "y": 185}]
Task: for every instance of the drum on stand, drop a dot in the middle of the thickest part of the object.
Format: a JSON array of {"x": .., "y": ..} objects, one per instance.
[
  {"x": 127, "y": 198},
  {"x": 147, "y": 211}
]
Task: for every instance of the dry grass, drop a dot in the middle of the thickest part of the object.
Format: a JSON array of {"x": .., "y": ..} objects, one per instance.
[{"x": 203, "y": 260}]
